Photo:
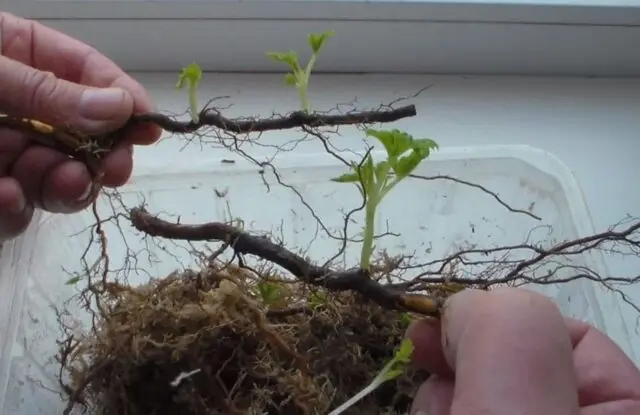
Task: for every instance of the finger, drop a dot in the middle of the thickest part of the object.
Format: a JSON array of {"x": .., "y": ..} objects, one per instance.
[
  {"x": 51, "y": 180},
  {"x": 15, "y": 212},
  {"x": 48, "y": 50},
  {"x": 29, "y": 92},
  {"x": 607, "y": 377},
  {"x": 624, "y": 407},
  {"x": 12, "y": 144},
  {"x": 434, "y": 397},
  {"x": 605, "y": 373},
  {"x": 427, "y": 347},
  {"x": 511, "y": 353},
  {"x": 118, "y": 166}
]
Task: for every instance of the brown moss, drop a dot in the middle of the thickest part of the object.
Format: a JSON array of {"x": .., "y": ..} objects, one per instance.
[{"x": 306, "y": 354}]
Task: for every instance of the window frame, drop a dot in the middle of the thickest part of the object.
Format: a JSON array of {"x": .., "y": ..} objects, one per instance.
[{"x": 600, "y": 32}]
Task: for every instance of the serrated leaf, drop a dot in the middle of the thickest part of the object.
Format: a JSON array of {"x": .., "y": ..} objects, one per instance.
[
  {"x": 407, "y": 164},
  {"x": 317, "y": 40},
  {"x": 394, "y": 141},
  {"x": 425, "y": 144},
  {"x": 405, "y": 351},
  {"x": 400, "y": 360},
  {"x": 191, "y": 73},
  {"x": 385, "y": 138},
  {"x": 290, "y": 58}
]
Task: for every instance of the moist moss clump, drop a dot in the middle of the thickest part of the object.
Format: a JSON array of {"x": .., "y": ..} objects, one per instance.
[{"x": 221, "y": 341}]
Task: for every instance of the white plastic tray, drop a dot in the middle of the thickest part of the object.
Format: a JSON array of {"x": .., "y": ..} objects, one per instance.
[{"x": 432, "y": 217}]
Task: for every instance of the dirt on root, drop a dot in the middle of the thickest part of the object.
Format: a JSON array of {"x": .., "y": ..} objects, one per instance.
[{"x": 205, "y": 343}]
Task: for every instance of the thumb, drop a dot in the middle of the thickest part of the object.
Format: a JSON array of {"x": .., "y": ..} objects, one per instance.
[{"x": 28, "y": 92}]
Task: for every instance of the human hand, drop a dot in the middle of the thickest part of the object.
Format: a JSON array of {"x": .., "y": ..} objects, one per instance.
[
  {"x": 56, "y": 79},
  {"x": 510, "y": 352}
]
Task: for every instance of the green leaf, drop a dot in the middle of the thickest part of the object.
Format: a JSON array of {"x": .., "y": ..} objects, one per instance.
[
  {"x": 391, "y": 370},
  {"x": 73, "y": 281},
  {"x": 317, "y": 40},
  {"x": 366, "y": 171},
  {"x": 290, "y": 79},
  {"x": 421, "y": 150},
  {"x": 404, "y": 352},
  {"x": 394, "y": 141},
  {"x": 382, "y": 172},
  {"x": 347, "y": 178},
  {"x": 405, "y": 319},
  {"x": 191, "y": 73},
  {"x": 400, "y": 360},
  {"x": 424, "y": 144},
  {"x": 290, "y": 58},
  {"x": 407, "y": 164},
  {"x": 317, "y": 299}
]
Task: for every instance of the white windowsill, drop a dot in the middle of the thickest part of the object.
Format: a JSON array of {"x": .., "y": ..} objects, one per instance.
[{"x": 501, "y": 37}]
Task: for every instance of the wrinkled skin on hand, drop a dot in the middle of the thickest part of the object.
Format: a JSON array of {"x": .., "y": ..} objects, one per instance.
[
  {"x": 511, "y": 352},
  {"x": 56, "y": 79}
]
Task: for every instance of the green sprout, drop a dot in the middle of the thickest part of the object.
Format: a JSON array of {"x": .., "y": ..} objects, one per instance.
[
  {"x": 317, "y": 299},
  {"x": 396, "y": 367},
  {"x": 405, "y": 319},
  {"x": 270, "y": 292},
  {"x": 191, "y": 74},
  {"x": 375, "y": 181},
  {"x": 299, "y": 76}
]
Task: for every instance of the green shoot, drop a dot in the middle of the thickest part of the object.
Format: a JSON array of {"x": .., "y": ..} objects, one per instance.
[
  {"x": 299, "y": 77},
  {"x": 375, "y": 180},
  {"x": 270, "y": 292},
  {"x": 405, "y": 319},
  {"x": 396, "y": 367},
  {"x": 317, "y": 299},
  {"x": 191, "y": 74}
]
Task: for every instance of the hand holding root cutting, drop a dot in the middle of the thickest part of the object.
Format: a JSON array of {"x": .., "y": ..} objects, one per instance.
[
  {"x": 511, "y": 352},
  {"x": 51, "y": 77}
]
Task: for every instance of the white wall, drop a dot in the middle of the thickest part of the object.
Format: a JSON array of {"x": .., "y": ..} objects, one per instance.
[{"x": 592, "y": 125}]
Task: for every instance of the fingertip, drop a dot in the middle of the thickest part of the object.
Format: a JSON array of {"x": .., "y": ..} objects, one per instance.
[
  {"x": 434, "y": 397},
  {"x": 118, "y": 166},
  {"x": 142, "y": 134},
  {"x": 520, "y": 338},
  {"x": 425, "y": 334},
  {"x": 15, "y": 212},
  {"x": 67, "y": 188}
]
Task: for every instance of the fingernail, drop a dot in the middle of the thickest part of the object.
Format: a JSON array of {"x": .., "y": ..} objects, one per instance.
[
  {"x": 85, "y": 194},
  {"x": 100, "y": 105}
]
